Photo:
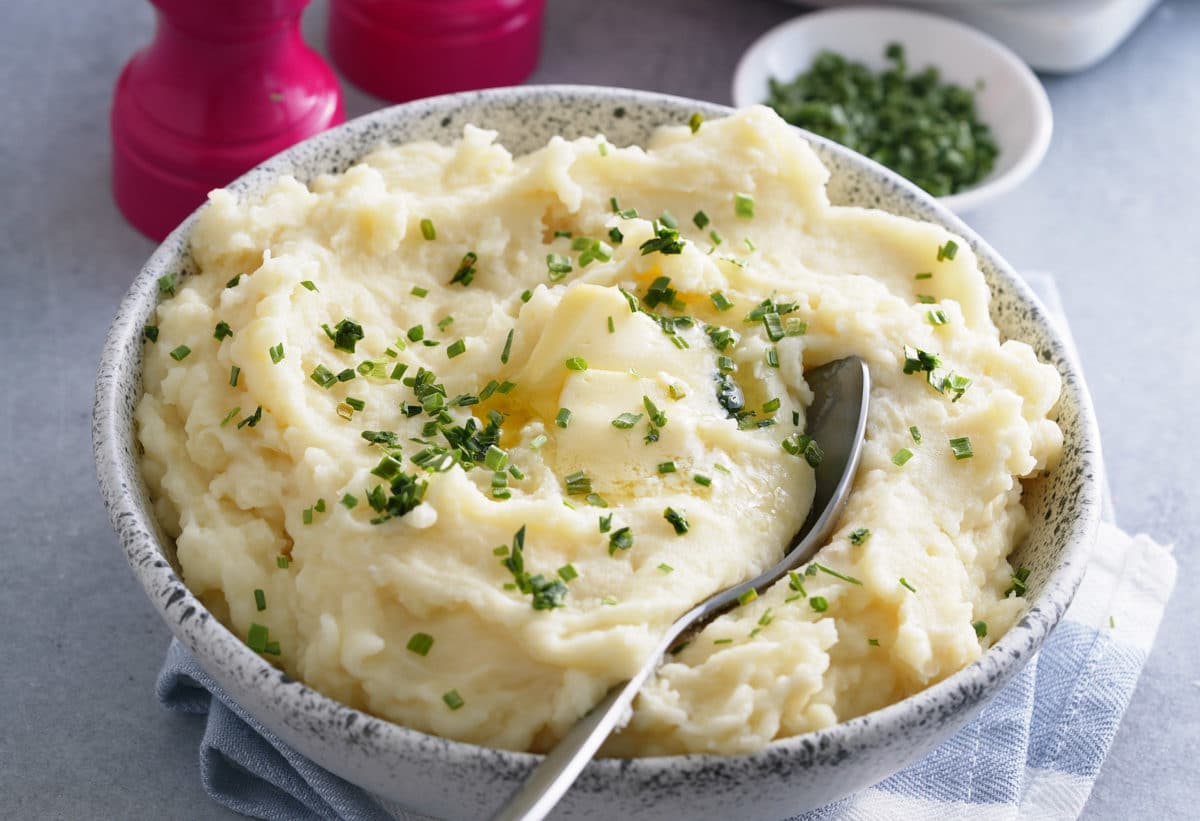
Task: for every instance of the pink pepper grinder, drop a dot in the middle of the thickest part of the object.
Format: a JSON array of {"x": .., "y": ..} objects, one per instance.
[
  {"x": 404, "y": 49},
  {"x": 224, "y": 85}
]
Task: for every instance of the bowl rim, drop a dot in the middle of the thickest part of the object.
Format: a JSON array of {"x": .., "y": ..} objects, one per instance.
[
  {"x": 124, "y": 492},
  {"x": 876, "y": 17}
]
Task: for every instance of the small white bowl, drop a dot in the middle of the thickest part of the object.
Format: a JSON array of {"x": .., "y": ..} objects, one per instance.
[{"x": 1012, "y": 101}]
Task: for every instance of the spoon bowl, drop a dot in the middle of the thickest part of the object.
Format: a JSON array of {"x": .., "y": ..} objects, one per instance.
[{"x": 837, "y": 420}]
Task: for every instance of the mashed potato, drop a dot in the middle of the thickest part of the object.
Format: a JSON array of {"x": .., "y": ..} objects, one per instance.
[{"x": 454, "y": 435}]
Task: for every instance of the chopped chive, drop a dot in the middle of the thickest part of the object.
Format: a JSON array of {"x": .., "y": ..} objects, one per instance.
[
  {"x": 926, "y": 299},
  {"x": 310, "y": 285},
  {"x": 465, "y": 273},
  {"x": 502, "y": 550},
  {"x": 282, "y": 562},
  {"x": 538, "y": 441},
  {"x": 346, "y": 335},
  {"x": 234, "y": 373},
  {"x": 615, "y": 235},
  {"x": 256, "y": 639},
  {"x": 743, "y": 205},
  {"x": 702, "y": 480},
  {"x": 947, "y": 251},
  {"x": 277, "y": 353},
  {"x": 166, "y": 284},
  {"x": 221, "y": 331},
  {"x": 610, "y": 600},
  {"x": 577, "y": 363},
  {"x": 665, "y": 568},
  {"x": 859, "y": 535},
  {"x": 796, "y": 583},
  {"x": 596, "y": 500},
  {"x": 915, "y": 432},
  {"x": 578, "y": 483},
  {"x": 767, "y": 617},
  {"x": 676, "y": 391},
  {"x": 495, "y": 458},
  {"x": 603, "y": 147},
  {"x": 612, "y": 329},
  {"x": 232, "y": 413},
  {"x": 260, "y": 599},
  {"x": 666, "y": 467},
  {"x": 873, "y": 642},
  {"x": 504, "y": 354},
  {"x": 961, "y": 447},
  {"x": 924, "y": 275},
  {"x": 453, "y": 699},
  {"x": 516, "y": 472},
  {"x": 936, "y": 317},
  {"x": 772, "y": 357},
  {"x": 836, "y": 575},
  {"x": 620, "y": 540},
  {"x": 803, "y": 445},
  {"x": 558, "y": 266},
  {"x": 722, "y": 641},
  {"x": 819, "y": 603},
  {"x": 419, "y": 292},
  {"x": 323, "y": 377},
  {"x": 456, "y": 348},
  {"x": 606, "y": 523},
  {"x": 677, "y": 519},
  {"x": 445, "y": 322},
  {"x": 427, "y": 229},
  {"x": 526, "y": 295},
  {"x": 233, "y": 283},
  {"x": 626, "y": 421},
  {"x": 695, "y": 121},
  {"x": 420, "y": 643},
  {"x": 357, "y": 404},
  {"x": 307, "y": 516},
  {"x": 347, "y": 374},
  {"x": 151, "y": 332},
  {"x": 349, "y": 502},
  {"x": 901, "y": 456},
  {"x": 715, "y": 237},
  {"x": 568, "y": 572},
  {"x": 272, "y": 648},
  {"x": 747, "y": 597},
  {"x": 981, "y": 628},
  {"x": 180, "y": 353},
  {"x": 774, "y": 326},
  {"x": 506, "y": 386},
  {"x": 904, "y": 582},
  {"x": 771, "y": 406},
  {"x": 563, "y": 418}
]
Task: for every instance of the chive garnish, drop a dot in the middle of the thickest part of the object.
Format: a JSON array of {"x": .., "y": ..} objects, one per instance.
[
  {"x": 606, "y": 523},
  {"x": 901, "y": 456},
  {"x": 537, "y": 441},
  {"x": 980, "y": 628},
  {"x": 466, "y": 270},
  {"x": 936, "y": 317},
  {"x": 904, "y": 582},
  {"x": 346, "y": 335},
  {"x": 282, "y": 562},
  {"x": 419, "y": 292},
  {"x": 666, "y": 467},
  {"x": 924, "y": 275},
  {"x": 526, "y": 295},
  {"x": 456, "y": 348},
  {"x": 256, "y": 638},
  {"x": 801, "y": 444},
  {"x": 915, "y": 433},
  {"x": 836, "y": 575},
  {"x": 961, "y": 447},
  {"x": 349, "y": 502},
  {"x": 558, "y": 266},
  {"x": 568, "y": 572},
  {"x": 323, "y": 376},
  {"x": 747, "y": 597},
  {"x": 577, "y": 363},
  {"x": 695, "y": 121},
  {"x": 563, "y": 418},
  {"x": 420, "y": 643},
  {"x": 947, "y": 251},
  {"x": 620, "y": 540},
  {"x": 665, "y": 568},
  {"x": 233, "y": 283},
  {"x": 180, "y": 353},
  {"x": 772, "y": 357},
  {"x": 453, "y": 699},
  {"x": 310, "y": 285},
  {"x": 701, "y": 479},
  {"x": 427, "y": 229},
  {"x": 232, "y": 413},
  {"x": 743, "y": 205},
  {"x": 677, "y": 518},
  {"x": 859, "y": 535},
  {"x": 578, "y": 483},
  {"x": 626, "y": 421},
  {"x": 150, "y": 332},
  {"x": 347, "y": 374},
  {"x": 260, "y": 599},
  {"x": 234, "y": 373},
  {"x": 221, "y": 331},
  {"x": 819, "y": 603},
  {"x": 722, "y": 641},
  {"x": 166, "y": 284},
  {"x": 507, "y": 347},
  {"x": 277, "y": 354}
]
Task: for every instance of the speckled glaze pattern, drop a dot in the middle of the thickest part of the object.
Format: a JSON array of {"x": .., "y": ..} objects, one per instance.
[{"x": 449, "y": 779}]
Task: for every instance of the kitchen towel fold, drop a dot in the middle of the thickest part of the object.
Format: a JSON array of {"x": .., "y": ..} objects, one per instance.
[{"x": 1032, "y": 753}]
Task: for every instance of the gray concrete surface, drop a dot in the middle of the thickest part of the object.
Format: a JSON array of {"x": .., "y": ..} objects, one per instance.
[{"x": 1113, "y": 212}]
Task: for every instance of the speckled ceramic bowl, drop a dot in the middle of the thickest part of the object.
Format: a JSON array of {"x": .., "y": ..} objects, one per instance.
[{"x": 449, "y": 779}]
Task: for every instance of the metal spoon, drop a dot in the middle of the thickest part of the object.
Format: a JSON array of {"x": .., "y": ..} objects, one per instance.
[{"x": 836, "y": 419}]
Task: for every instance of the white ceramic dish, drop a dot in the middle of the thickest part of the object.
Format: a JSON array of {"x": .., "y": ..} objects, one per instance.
[
  {"x": 1011, "y": 101},
  {"x": 437, "y": 777}
]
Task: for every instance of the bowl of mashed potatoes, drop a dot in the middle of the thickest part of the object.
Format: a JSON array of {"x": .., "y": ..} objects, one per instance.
[{"x": 420, "y": 433}]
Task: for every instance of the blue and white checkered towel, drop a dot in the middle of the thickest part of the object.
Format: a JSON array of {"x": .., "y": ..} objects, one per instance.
[{"x": 1033, "y": 752}]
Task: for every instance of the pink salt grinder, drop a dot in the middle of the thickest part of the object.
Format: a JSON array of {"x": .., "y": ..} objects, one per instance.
[
  {"x": 224, "y": 85},
  {"x": 404, "y": 49}
]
